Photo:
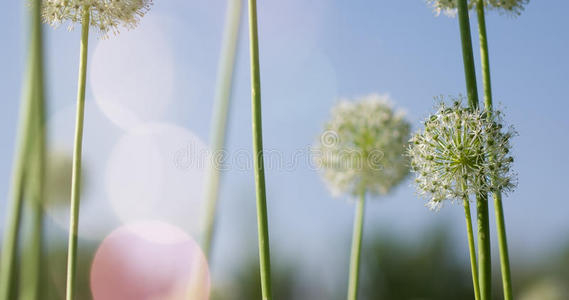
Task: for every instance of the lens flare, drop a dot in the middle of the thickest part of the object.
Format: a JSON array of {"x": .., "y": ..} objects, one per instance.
[
  {"x": 132, "y": 77},
  {"x": 149, "y": 260},
  {"x": 156, "y": 172}
]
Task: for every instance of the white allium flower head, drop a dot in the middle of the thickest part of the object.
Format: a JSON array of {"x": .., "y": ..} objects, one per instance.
[
  {"x": 362, "y": 148},
  {"x": 105, "y": 15},
  {"x": 448, "y": 7},
  {"x": 461, "y": 152}
]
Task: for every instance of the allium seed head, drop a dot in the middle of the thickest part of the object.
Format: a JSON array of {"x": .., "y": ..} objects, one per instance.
[
  {"x": 362, "y": 147},
  {"x": 105, "y": 15},
  {"x": 448, "y": 7},
  {"x": 461, "y": 152}
]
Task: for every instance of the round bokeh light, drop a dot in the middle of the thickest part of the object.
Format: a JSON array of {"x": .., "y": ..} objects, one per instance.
[
  {"x": 149, "y": 260},
  {"x": 132, "y": 78},
  {"x": 156, "y": 172}
]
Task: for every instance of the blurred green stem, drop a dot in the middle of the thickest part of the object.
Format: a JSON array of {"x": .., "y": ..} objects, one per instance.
[
  {"x": 29, "y": 132},
  {"x": 355, "y": 255},
  {"x": 262, "y": 222},
  {"x": 219, "y": 120},
  {"x": 498, "y": 210},
  {"x": 77, "y": 153},
  {"x": 32, "y": 257},
  {"x": 484, "y": 258}
]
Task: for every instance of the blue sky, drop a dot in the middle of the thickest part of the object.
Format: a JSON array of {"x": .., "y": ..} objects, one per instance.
[{"x": 313, "y": 53}]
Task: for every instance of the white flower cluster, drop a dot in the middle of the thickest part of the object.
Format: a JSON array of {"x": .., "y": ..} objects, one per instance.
[
  {"x": 363, "y": 147},
  {"x": 448, "y": 7},
  {"x": 461, "y": 152},
  {"x": 105, "y": 15}
]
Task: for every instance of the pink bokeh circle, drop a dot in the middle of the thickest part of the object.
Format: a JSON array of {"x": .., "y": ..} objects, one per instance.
[{"x": 149, "y": 260}]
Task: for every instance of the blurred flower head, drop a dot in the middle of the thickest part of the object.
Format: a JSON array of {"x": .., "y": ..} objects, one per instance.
[
  {"x": 105, "y": 15},
  {"x": 448, "y": 7},
  {"x": 460, "y": 152},
  {"x": 362, "y": 147}
]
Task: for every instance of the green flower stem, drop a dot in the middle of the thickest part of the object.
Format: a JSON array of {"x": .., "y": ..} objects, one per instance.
[
  {"x": 219, "y": 120},
  {"x": 10, "y": 243},
  {"x": 262, "y": 223},
  {"x": 498, "y": 209},
  {"x": 503, "y": 245},
  {"x": 77, "y": 152},
  {"x": 33, "y": 95},
  {"x": 471, "y": 249},
  {"x": 32, "y": 257},
  {"x": 484, "y": 56},
  {"x": 355, "y": 255},
  {"x": 467, "y": 55},
  {"x": 11, "y": 233},
  {"x": 485, "y": 265}
]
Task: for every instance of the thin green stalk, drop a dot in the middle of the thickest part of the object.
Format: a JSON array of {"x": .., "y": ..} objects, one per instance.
[
  {"x": 33, "y": 89},
  {"x": 471, "y": 249},
  {"x": 485, "y": 266},
  {"x": 485, "y": 60},
  {"x": 503, "y": 245},
  {"x": 498, "y": 210},
  {"x": 467, "y": 55},
  {"x": 355, "y": 255},
  {"x": 77, "y": 152},
  {"x": 262, "y": 223},
  {"x": 219, "y": 120},
  {"x": 484, "y": 258}
]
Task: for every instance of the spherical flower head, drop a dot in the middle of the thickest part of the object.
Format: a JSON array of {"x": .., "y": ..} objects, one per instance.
[
  {"x": 105, "y": 15},
  {"x": 362, "y": 147},
  {"x": 461, "y": 152},
  {"x": 448, "y": 7}
]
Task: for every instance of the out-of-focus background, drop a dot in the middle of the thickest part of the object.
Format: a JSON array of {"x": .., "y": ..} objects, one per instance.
[{"x": 149, "y": 104}]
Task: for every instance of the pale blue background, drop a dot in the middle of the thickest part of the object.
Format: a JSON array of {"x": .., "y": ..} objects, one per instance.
[{"x": 312, "y": 53}]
